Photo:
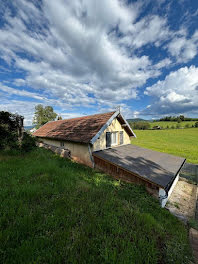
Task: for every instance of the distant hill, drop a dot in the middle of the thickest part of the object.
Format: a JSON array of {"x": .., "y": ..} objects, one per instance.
[
  {"x": 136, "y": 120},
  {"x": 28, "y": 127}
]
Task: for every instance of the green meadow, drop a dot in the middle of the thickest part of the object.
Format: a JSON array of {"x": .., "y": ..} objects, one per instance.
[
  {"x": 180, "y": 142},
  {"x": 56, "y": 211},
  {"x": 170, "y": 124}
]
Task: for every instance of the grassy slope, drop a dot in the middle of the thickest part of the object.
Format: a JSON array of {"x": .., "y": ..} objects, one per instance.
[
  {"x": 57, "y": 211},
  {"x": 181, "y": 142},
  {"x": 164, "y": 124}
]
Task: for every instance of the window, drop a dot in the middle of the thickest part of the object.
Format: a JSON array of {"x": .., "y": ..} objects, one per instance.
[
  {"x": 108, "y": 139},
  {"x": 121, "y": 138},
  {"x": 62, "y": 144},
  {"x": 114, "y": 138}
]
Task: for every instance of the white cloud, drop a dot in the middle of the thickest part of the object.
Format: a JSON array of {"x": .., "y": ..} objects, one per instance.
[
  {"x": 177, "y": 93},
  {"x": 183, "y": 48}
]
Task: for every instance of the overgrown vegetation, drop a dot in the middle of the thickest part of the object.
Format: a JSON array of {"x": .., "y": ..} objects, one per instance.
[
  {"x": 56, "y": 211},
  {"x": 179, "y": 142},
  {"x": 12, "y": 135}
]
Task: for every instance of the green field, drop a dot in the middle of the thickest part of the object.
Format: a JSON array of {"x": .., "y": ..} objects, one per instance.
[
  {"x": 164, "y": 124},
  {"x": 180, "y": 142},
  {"x": 56, "y": 211}
]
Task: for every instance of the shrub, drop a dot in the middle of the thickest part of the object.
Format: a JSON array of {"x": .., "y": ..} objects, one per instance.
[
  {"x": 28, "y": 142},
  {"x": 141, "y": 125},
  {"x": 187, "y": 125},
  {"x": 178, "y": 126},
  {"x": 167, "y": 127},
  {"x": 172, "y": 127},
  {"x": 196, "y": 124}
]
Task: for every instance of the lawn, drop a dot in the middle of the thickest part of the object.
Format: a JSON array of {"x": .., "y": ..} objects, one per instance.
[
  {"x": 57, "y": 211},
  {"x": 180, "y": 142}
]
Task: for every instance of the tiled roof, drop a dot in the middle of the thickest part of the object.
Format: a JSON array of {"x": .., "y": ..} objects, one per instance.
[{"x": 80, "y": 129}]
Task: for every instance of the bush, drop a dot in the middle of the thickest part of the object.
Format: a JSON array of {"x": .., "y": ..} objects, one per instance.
[
  {"x": 28, "y": 142},
  {"x": 172, "y": 127},
  {"x": 178, "y": 126},
  {"x": 9, "y": 138},
  {"x": 167, "y": 127},
  {"x": 196, "y": 124},
  {"x": 187, "y": 125},
  {"x": 141, "y": 125}
]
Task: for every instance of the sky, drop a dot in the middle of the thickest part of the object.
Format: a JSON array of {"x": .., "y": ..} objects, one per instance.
[{"x": 88, "y": 56}]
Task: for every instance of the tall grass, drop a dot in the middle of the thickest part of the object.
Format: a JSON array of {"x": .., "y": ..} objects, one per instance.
[{"x": 57, "y": 211}]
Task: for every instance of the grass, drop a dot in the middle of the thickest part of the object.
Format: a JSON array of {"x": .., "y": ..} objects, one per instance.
[
  {"x": 164, "y": 124},
  {"x": 57, "y": 211},
  {"x": 180, "y": 142}
]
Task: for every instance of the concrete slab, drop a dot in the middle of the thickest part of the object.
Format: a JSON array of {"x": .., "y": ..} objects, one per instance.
[{"x": 182, "y": 201}]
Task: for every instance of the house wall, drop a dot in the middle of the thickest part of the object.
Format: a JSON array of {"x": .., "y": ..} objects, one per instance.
[
  {"x": 121, "y": 174},
  {"x": 114, "y": 126},
  {"x": 79, "y": 151}
]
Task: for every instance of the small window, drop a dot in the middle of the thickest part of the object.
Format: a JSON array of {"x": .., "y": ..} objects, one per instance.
[
  {"x": 108, "y": 139},
  {"x": 114, "y": 138},
  {"x": 62, "y": 144},
  {"x": 121, "y": 138}
]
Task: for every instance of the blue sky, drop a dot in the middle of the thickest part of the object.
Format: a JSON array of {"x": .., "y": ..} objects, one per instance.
[{"x": 89, "y": 56}]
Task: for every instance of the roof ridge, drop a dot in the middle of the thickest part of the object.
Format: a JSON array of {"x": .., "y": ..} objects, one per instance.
[{"x": 85, "y": 116}]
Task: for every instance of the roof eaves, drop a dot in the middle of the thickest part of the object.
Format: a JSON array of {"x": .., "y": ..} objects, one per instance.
[{"x": 128, "y": 125}]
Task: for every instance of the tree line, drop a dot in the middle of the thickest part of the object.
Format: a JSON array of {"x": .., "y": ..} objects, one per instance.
[
  {"x": 145, "y": 125},
  {"x": 179, "y": 118}
]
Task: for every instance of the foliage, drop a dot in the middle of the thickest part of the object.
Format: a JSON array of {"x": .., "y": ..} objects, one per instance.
[
  {"x": 179, "y": 142},
  {"x": 43, "y": 115},
  {"x": 193, "y": 223},
  {"x": 10, "y": 125},
  {"x": 140, "y": 125},
  {"x": 177, "y": 118},
  {"x": 196, "y": 124},
  {"x": 57, "y": 211},
  {"x": 28, "y": 142}
]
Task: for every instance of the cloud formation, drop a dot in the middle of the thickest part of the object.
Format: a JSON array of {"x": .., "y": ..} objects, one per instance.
[
  {"x": 176, "y": 94},
  {"x": 90, "y": 54}
]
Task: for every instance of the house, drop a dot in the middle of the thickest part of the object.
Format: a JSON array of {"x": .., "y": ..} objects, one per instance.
[
  {"x": 156, "y": 127},
  {"x": 103, "y": 141}
]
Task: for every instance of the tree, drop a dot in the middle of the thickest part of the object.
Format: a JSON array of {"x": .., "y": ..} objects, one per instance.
[
  {"x": 140, "y": 125},
  {"x": 182, "y": 117},
  {"x": 43, "y": 115}
]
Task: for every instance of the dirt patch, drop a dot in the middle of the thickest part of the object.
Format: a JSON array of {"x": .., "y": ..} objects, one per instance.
[{"x": 182, "y": 201}]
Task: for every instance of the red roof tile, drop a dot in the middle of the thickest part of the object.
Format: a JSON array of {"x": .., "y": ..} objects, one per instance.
[{"x": 80, "y": 129}]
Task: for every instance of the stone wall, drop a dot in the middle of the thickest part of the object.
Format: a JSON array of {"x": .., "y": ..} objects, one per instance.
[{"x": 65, "y": 153}]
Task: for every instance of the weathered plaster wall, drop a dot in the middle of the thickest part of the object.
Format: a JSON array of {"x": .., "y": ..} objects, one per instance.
[
  {"x": 115, "y": 126},
  {"x": 79, "y": 151}
]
